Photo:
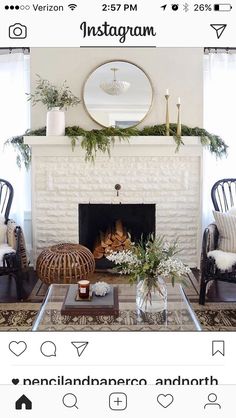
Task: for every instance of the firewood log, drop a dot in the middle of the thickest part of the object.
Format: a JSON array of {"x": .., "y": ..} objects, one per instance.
[
  {"x": 108, "y": 250},
  {"x": 119, "y": 248},
  {"x": 99, "y": 249},
  {"x": 115, "y": 243},
  {"x": 98, "y": 255},
  {"x": 120, "y": 238},
  {"x": 119, "y": 228},
  {"x": 127, "y": 244},
  {"x": 108, "y": 242}
]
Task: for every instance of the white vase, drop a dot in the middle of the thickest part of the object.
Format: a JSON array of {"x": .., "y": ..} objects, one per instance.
[
  {"x": 55, "y": 122},
  {"x": 151, "y": 295}
]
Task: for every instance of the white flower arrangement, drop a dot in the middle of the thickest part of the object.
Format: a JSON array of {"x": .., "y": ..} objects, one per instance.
[
  {"x": 126, "y": 258},
  {"x": 172, "y": 266},
  {"x": 150, "y": 259}
]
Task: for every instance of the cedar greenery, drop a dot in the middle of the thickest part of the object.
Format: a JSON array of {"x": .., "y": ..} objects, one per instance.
[{"x": 103, "y": 139}]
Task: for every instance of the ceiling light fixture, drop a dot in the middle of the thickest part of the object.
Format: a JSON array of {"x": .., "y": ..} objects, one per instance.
[{"x": 115, "y": 87}]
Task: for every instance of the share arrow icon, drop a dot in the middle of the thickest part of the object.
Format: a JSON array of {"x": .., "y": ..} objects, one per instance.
[
  {"x": 219, "y": 29},
  {"x": 80, "y": 346}
]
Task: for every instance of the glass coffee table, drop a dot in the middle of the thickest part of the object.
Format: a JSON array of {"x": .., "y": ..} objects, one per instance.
[{"x": 178, "y": 316}]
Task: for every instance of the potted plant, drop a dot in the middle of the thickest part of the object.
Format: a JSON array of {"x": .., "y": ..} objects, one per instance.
[
  {"x": 149, "y": 264},
  {"x": 57, "y": 100}
]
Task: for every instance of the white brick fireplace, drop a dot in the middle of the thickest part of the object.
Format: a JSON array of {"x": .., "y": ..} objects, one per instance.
[{"x": 148, "y": 170}]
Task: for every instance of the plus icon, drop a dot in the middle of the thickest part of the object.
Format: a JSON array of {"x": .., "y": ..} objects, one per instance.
[{"x": 118, "y": 401}]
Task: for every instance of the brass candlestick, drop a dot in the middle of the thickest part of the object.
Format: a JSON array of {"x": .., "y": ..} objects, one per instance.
[
  {"x": 167, "y": 115},
  {"x": 178, "y": 133}
]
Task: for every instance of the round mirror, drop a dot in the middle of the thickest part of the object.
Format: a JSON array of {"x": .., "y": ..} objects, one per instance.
[{"x": 118, "y": 94}]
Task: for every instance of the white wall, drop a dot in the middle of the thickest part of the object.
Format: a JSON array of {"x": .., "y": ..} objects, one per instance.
[{"x": 178, "y": 69}]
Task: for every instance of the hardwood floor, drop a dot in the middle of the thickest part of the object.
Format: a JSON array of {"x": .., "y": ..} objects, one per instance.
[
  {"x": 219, "y": 291},
  {"x": 8, "y": 287},
  {"x": 222, "y": 292}
]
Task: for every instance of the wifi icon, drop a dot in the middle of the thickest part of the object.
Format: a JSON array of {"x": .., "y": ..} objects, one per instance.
[{"x": 72, "y": 6}]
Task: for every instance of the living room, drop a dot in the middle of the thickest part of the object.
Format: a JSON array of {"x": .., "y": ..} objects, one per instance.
[{"x": 170, "y": 149}]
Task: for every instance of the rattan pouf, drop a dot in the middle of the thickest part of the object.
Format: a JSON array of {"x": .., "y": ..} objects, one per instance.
[{"x": 65, "y": 263}]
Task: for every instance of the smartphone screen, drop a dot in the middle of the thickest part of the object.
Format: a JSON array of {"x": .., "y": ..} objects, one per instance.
[{"x": 117, "y": 208}]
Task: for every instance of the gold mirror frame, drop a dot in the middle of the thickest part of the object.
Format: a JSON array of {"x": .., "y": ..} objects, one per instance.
[{"x": 113, "y": 61}]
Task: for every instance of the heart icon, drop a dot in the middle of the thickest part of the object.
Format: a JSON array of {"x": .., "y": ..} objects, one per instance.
[
  {"x": 17, "y": 347},
  {"x": 165, "y": 400},
  {"x": 15, "y": 381}
]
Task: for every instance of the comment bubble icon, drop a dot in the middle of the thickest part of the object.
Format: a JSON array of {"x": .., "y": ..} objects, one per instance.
[{"x": 48, "y": 349}]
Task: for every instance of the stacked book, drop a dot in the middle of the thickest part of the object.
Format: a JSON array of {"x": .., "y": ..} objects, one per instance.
[{"x": 94, "y": 306}]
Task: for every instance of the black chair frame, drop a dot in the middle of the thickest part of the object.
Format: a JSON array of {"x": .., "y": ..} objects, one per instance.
[
  {"x": 6, "y": 198},
  {"x": 11, "y": 261},
  {"x": 223, "y": 194}
]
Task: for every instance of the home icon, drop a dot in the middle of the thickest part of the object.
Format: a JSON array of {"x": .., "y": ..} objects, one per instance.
[{"x": 23, "y": 403}]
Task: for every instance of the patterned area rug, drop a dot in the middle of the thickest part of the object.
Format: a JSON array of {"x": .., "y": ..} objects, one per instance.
[
  {"x": 18, "y": 316},
  {"x": 216, "y": 316},
  {"x": 212, "y": 317}
]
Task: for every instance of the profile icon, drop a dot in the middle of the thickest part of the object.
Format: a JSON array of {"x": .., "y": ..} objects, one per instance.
[{"x": 212, "y": 398}]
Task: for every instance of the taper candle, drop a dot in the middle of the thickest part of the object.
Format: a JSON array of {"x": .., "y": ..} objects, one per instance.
[
  {"x": 178, "y": 133},
  {"x": 167, "y": 113}
]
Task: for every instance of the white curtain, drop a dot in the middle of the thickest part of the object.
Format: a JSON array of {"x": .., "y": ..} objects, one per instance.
[
  {"x": 14, "y": 120},
  {"x": 219, "y": 118}
]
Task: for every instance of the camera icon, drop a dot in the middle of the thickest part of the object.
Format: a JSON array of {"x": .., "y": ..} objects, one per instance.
[{"x": 17, "y": 31}]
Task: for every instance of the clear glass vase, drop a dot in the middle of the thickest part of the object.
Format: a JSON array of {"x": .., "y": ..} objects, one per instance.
[{"x": 151, "y": 294}]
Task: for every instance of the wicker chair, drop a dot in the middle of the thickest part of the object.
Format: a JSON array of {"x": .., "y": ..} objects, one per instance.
[
  {"x": 13, "y": 263},
  {"x": 223, "y": 195}
]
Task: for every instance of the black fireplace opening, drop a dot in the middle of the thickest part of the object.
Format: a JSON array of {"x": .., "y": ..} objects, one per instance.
[{"x": 100, "y": 220}]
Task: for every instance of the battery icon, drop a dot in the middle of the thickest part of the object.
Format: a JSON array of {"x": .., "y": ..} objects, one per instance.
[{"x": 222, "y": 7}]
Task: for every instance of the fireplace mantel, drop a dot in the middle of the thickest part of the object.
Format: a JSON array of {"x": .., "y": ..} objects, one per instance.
[
  {"x": 147, "y": 167},
  {"x": 136, "y": 146}
]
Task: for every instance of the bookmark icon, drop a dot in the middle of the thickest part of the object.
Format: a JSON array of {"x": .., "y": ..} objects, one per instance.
[{"x": 218, "y": 347}]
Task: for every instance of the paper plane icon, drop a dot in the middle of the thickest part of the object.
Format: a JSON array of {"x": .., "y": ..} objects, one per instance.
[
  {"x": 164, "y": 6},
  {"x": 219, "y": 28},
  {"x": 80, "y": 346}
]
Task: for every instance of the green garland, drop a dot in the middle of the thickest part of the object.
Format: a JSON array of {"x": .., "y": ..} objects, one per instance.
[{"x": 103, "y": 139}]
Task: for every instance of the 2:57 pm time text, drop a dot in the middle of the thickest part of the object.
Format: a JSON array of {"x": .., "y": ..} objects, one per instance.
[{"x": 115, "y": 7}]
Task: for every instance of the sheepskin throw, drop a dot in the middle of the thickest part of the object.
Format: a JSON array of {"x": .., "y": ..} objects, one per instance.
[
  {"x": 5, "y": 249},
  {"x": 224, "y": 261}
]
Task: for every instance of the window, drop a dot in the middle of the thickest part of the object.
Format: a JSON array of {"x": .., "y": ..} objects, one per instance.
[{"x": 14, "y": 116}]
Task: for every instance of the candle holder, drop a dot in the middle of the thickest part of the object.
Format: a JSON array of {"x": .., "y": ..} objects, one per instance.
[
  {"x": 167, "y": 115},
  {"x": 178, "y": 133},
  {"x": 83, "y": 289}
]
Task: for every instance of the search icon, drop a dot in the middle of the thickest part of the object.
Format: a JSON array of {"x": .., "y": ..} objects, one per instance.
[{"x": 70, "y": 400}]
